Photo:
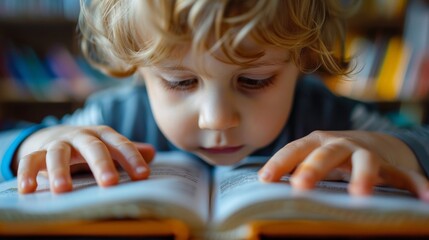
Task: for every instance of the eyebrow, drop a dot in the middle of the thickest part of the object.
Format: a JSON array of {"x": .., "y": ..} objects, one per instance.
[
  {"x": 264, "y": 64},
  {"x": 173, "y": 68},
  {"x": 250, "y": 65}
]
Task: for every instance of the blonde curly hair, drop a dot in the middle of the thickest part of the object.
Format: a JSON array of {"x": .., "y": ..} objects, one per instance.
[{"x": 118, "y": 36}]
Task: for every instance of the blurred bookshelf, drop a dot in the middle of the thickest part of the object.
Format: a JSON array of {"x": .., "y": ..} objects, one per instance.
[
  {"x": 42, "y": 71},
  {"x": 388, "y": 41}
]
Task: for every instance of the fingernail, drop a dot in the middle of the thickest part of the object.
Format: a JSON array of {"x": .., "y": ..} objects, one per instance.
[
  {"x": 27, "y": 183},
  {"x": 302, "y": 179},
  {"x": 59, "y": 182},
  {"x": 108, "y": 177},
  {"x": 306, "y": 176},
  {"x": 265, "y": 176},
  {"x": 425, "y": 197},
  {"x": 140, "y": 171}
]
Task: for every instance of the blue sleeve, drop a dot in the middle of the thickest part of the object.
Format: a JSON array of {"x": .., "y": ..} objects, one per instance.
[{"x": 10, "y": 142}]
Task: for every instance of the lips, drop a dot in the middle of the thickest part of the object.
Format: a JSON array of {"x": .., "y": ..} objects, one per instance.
[{"x": 222, "y": 150}]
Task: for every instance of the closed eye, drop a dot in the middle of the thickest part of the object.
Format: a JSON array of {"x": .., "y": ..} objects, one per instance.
[
  {"x": 254, "y": 84},
  {"x": 183, "y": 85}
]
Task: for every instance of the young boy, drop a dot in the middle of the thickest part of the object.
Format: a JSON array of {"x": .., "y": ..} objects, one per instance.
[{"x": 222, "y": 80}]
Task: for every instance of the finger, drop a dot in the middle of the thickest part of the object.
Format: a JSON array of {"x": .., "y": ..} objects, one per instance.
[
  {"x": 286, "y": 159},
  {"x": 58, "y": 166},
  {"x": 79, "y": 168},
  {"x": 420, "y": 186},
  {"x": 407, "y": 180},
  {"x": 319, "y": 163},
  {"x": 415, "y": 183},
  {"x": 96, "y": 154},
  {"x": 365, "y": 172},
  {"x": 28, "y": 168},
  {"x": 146, "y": 150},
  {"x": 125, "y": 152}
]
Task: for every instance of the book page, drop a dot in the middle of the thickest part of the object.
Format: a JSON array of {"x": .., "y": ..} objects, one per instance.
[
  {"x": 177, "y": 185},
  {"x": 240, "y": 197}
]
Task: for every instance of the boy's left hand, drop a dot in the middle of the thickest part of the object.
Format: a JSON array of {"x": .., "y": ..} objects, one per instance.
[{"x": 365, "y": 159}]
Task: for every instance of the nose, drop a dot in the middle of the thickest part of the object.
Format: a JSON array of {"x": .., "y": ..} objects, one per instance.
[{"x": 218, "y": 112}]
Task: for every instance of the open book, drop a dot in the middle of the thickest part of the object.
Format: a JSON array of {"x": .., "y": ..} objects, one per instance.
[{"x": 209, "y": 201}]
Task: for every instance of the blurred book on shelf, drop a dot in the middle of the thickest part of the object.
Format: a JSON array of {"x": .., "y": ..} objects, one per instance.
[
  {"x": 42, "y": 71},
  {"x": 373, "y": 15},
  {"x": 39, "y": 56},
  {"x": 56, "y": 76},
  {"x": 388, "y": 66},
  {"x": 390, "y": 55},
  {"x": 37, "y": 9}
]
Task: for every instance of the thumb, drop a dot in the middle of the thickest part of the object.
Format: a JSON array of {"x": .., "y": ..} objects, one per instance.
[{"x": 146, "y": 150}]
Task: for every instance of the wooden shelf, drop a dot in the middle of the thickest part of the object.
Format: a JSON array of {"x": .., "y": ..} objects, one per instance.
[
  {"x": 39, "y": 35},
  {"x": 35, "y": 111}
]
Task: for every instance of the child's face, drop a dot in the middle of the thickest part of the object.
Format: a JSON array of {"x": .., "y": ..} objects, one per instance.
[{"x": 221, "y": 112}]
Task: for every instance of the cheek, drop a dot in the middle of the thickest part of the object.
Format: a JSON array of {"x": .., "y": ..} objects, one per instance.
[
  {"x": 270, "y": 116},
  {"x": 174, "y": 118},
  {"x": 268, "y": 124},
  {"x": 177, "y": 125}
]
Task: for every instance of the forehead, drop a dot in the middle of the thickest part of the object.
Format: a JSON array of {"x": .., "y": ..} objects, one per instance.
[{"x": 186, "y": 56}]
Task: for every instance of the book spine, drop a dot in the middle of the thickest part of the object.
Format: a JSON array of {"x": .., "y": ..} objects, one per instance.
[
  {"x": 392, "y": 71},
  {"x": 37, "y": 9}
]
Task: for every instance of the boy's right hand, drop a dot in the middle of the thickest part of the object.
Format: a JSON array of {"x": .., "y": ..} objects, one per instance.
[{"x": 56, "y": 149}]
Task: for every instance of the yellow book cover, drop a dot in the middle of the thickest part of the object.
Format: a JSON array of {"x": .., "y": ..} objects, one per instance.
[
  {"x": 392, "y": 72},
  {"x": 186, "y": 198}
]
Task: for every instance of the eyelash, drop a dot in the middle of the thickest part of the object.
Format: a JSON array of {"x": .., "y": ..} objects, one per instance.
[
  {"x": 184, "y": 85},
  {"x": 255, "y": 84},
  {"x": 243, "y": 82}
]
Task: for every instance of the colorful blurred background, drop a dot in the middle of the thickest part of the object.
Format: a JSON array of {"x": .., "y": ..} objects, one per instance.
[{"x": 43, "y": 73}]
